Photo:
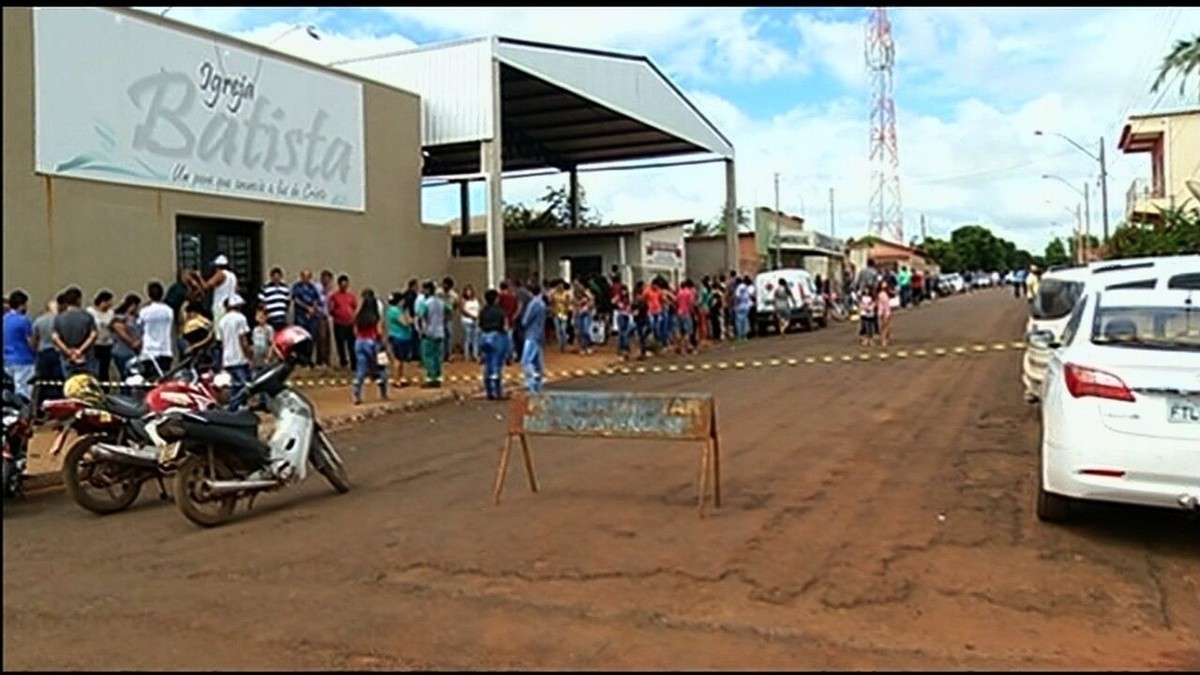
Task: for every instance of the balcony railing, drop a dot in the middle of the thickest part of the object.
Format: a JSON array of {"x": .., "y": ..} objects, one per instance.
[{"x": 1137, "y": 198}]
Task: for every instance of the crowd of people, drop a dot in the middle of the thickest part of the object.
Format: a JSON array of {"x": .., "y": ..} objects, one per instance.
[{"x": 427, "y": 323}]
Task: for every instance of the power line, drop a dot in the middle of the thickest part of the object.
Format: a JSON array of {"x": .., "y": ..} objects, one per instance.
[{"x": 994, "y": 170}]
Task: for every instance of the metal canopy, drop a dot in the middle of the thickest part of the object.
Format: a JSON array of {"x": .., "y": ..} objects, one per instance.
[{"x": 560, "y": 107}]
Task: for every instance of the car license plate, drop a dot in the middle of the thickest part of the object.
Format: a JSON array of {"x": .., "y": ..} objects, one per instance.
[{"x": 1183, "y": 411}]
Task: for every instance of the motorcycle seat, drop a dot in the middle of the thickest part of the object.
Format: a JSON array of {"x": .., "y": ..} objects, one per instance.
[
  {"x": 243, "y": 419},
  {"x": 123, "y": 406}
]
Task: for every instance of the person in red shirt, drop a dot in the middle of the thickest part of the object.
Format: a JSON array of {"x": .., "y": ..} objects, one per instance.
[
  {"x": 654, "y": 307},
  {"x": 685, "y": 308},
  {"x": 343, "y": 306},
  {"x": 511, "y": 306}
]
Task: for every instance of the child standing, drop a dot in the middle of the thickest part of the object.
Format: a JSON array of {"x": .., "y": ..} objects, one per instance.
[
  {"x": 262, "y": 339},
  {"x": 884, "y": 302},
  {"x": 868, "y": 324}
]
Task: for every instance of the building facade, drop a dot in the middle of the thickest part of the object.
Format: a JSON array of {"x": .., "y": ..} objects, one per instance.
[
  {"x": 1172, "y": 140},
  {"x": 136, "y": 144},
  {"x": 706, "y": 255},
  {"x": 639, "y": 251}
]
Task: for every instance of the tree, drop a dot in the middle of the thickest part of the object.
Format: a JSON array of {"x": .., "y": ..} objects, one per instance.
[
  {"x": 1056, "y": 253},
  {"x": 974, "y": 247},
  {"x": 717, "y": 224},
  {"x": 1176, "y": 232},
  {"x": 554, "y": 212},
  {"x": 1183, "y": 59}
]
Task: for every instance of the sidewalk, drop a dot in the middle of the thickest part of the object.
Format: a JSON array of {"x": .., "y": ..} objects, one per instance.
[{"x": 329, "y": 390}]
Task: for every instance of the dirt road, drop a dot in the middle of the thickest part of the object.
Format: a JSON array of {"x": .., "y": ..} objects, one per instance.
[{"x": 877, "y": 515}]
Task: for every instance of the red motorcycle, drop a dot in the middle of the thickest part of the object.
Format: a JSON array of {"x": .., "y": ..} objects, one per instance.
[
  {"x": 117, "y": 449},
  {"x": 18, "y": 430}
]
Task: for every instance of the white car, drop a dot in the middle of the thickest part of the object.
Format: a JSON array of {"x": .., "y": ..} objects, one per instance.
[
  {"x": 953, "y": 283},
  {"x": 808, "y": 305},
  {"x": 1121, "y": 407},
  {"x": 1060, "y": 289}
]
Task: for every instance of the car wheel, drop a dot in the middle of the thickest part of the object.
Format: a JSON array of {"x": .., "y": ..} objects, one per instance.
[{"x": 1051, "y": 508}]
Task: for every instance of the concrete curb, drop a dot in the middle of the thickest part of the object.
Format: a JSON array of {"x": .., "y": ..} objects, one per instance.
[{"x": 48, "y": 481}]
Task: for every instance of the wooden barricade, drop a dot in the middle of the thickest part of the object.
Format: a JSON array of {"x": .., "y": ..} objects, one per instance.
[{"x": 577, "y": 414}]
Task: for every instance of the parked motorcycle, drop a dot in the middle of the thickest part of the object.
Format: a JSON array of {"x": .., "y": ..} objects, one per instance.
[
  {"x": 18, "y": 429},
  {"x": 118, "y": 449},
  {"x": 221, "y": 459}
]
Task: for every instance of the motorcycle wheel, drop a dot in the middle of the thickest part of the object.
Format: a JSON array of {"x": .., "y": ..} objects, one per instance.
[
  {"x": 80, "y": 474},
  {"x": 191, "y": 504},
  {"x": 327, "y": 461}
]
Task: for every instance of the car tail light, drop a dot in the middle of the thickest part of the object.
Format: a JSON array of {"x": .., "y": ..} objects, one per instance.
[{"x": 1083, "y": 381}]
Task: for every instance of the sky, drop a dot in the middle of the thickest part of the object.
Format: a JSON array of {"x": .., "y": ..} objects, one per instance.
[{"x": 790, "y": 89}]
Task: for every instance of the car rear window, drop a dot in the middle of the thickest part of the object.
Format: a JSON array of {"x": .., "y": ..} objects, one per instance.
[
  {"x": 1055, "y": 298},
  {"x": 1170, "y": 328}
]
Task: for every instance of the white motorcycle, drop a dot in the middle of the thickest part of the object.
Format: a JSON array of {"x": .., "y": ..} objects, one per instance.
[{"x": 221, "y": 460}]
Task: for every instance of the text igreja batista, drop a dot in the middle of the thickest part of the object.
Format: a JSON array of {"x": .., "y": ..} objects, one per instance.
[{"x": 168, "y": 99}]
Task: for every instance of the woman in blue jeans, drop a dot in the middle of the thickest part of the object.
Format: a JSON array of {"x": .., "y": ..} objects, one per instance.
[
  {"x": 368, "y": 345},
  {"x": 493, "y": 344},
  {"x": 584, "y": 306}
]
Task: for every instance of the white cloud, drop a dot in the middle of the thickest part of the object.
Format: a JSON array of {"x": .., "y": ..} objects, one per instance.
[
  {"x": 691, "y": 42},
  {"x": 294, "y": 39},
  {"x": 971, "y": 87}
]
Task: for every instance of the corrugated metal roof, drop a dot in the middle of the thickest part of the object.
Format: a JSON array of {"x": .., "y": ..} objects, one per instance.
[
  {"x": 561, "y": 107},
  {"x": 628, "y": 84},
  {"x": 454, "y": 81}
]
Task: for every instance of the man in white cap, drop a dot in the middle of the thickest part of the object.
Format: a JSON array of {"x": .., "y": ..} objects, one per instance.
[
  {"x": 234, "y": 334},
  {"x": 223, "y": 283}
]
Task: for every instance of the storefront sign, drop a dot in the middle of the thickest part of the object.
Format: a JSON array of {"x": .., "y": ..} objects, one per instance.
[
  {"x": 123, "y": 100},
  {"x": 664, "y": 254}
]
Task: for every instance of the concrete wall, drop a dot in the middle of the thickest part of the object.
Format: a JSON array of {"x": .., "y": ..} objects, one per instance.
[
  {"x": 471, "y": 271},
  {"x": 1181, "y": 153},
  {"x": 706, "y": 256},
  {"x": 522, "y": 255},
  {"x": 61, "y": 231}
]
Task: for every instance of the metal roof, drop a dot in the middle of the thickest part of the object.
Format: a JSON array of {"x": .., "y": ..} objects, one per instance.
[
  {"x": 574, "y": 232},
  {"x": 560, "y": 107}
]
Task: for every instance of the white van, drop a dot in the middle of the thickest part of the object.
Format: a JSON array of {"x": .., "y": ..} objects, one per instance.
[
  {"x": 1059, "y": 290},
  {"x": 808, "y": 305}
]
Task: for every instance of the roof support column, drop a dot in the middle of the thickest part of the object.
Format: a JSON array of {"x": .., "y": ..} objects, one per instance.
[
  {"x": 573, "y": 183},
  {"x": 464, "y": 207},
  {"x": 731, "y": 217},
  {"x": 493, "y": 168}
]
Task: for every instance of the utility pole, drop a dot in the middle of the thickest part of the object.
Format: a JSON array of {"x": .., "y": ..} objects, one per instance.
[
  {"x": 1087, "y": 221},
  {"x": 778, "y": 248},
  {"x": 1080, "y": 243},
  {"x": 1104, "y": 188},
  {"x": 832, "y": 222}
]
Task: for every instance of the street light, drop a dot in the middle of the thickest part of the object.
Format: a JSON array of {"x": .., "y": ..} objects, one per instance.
[
  {"x": 1087, "y": 208},
  {"x": 1081, "y": 244},
  {"x": 309, "y": 28},
  {"x": 1103, "y": 171}
]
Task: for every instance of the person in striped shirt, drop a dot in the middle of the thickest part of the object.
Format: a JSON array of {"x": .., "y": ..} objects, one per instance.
[{"x": 276, "y": 297}]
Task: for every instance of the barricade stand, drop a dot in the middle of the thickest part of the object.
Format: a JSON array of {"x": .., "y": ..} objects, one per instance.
[{"x": 577, "y": 414}]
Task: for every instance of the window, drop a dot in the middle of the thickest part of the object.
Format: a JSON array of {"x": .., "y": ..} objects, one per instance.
[
  {"x": 1145, "y": 284},
  {"x": 1187, "y": 282},
  {"x": 1169, "y": 328},
  {"x": 1055, "y": 298},
  {"x": 1073, "y": 323}
]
